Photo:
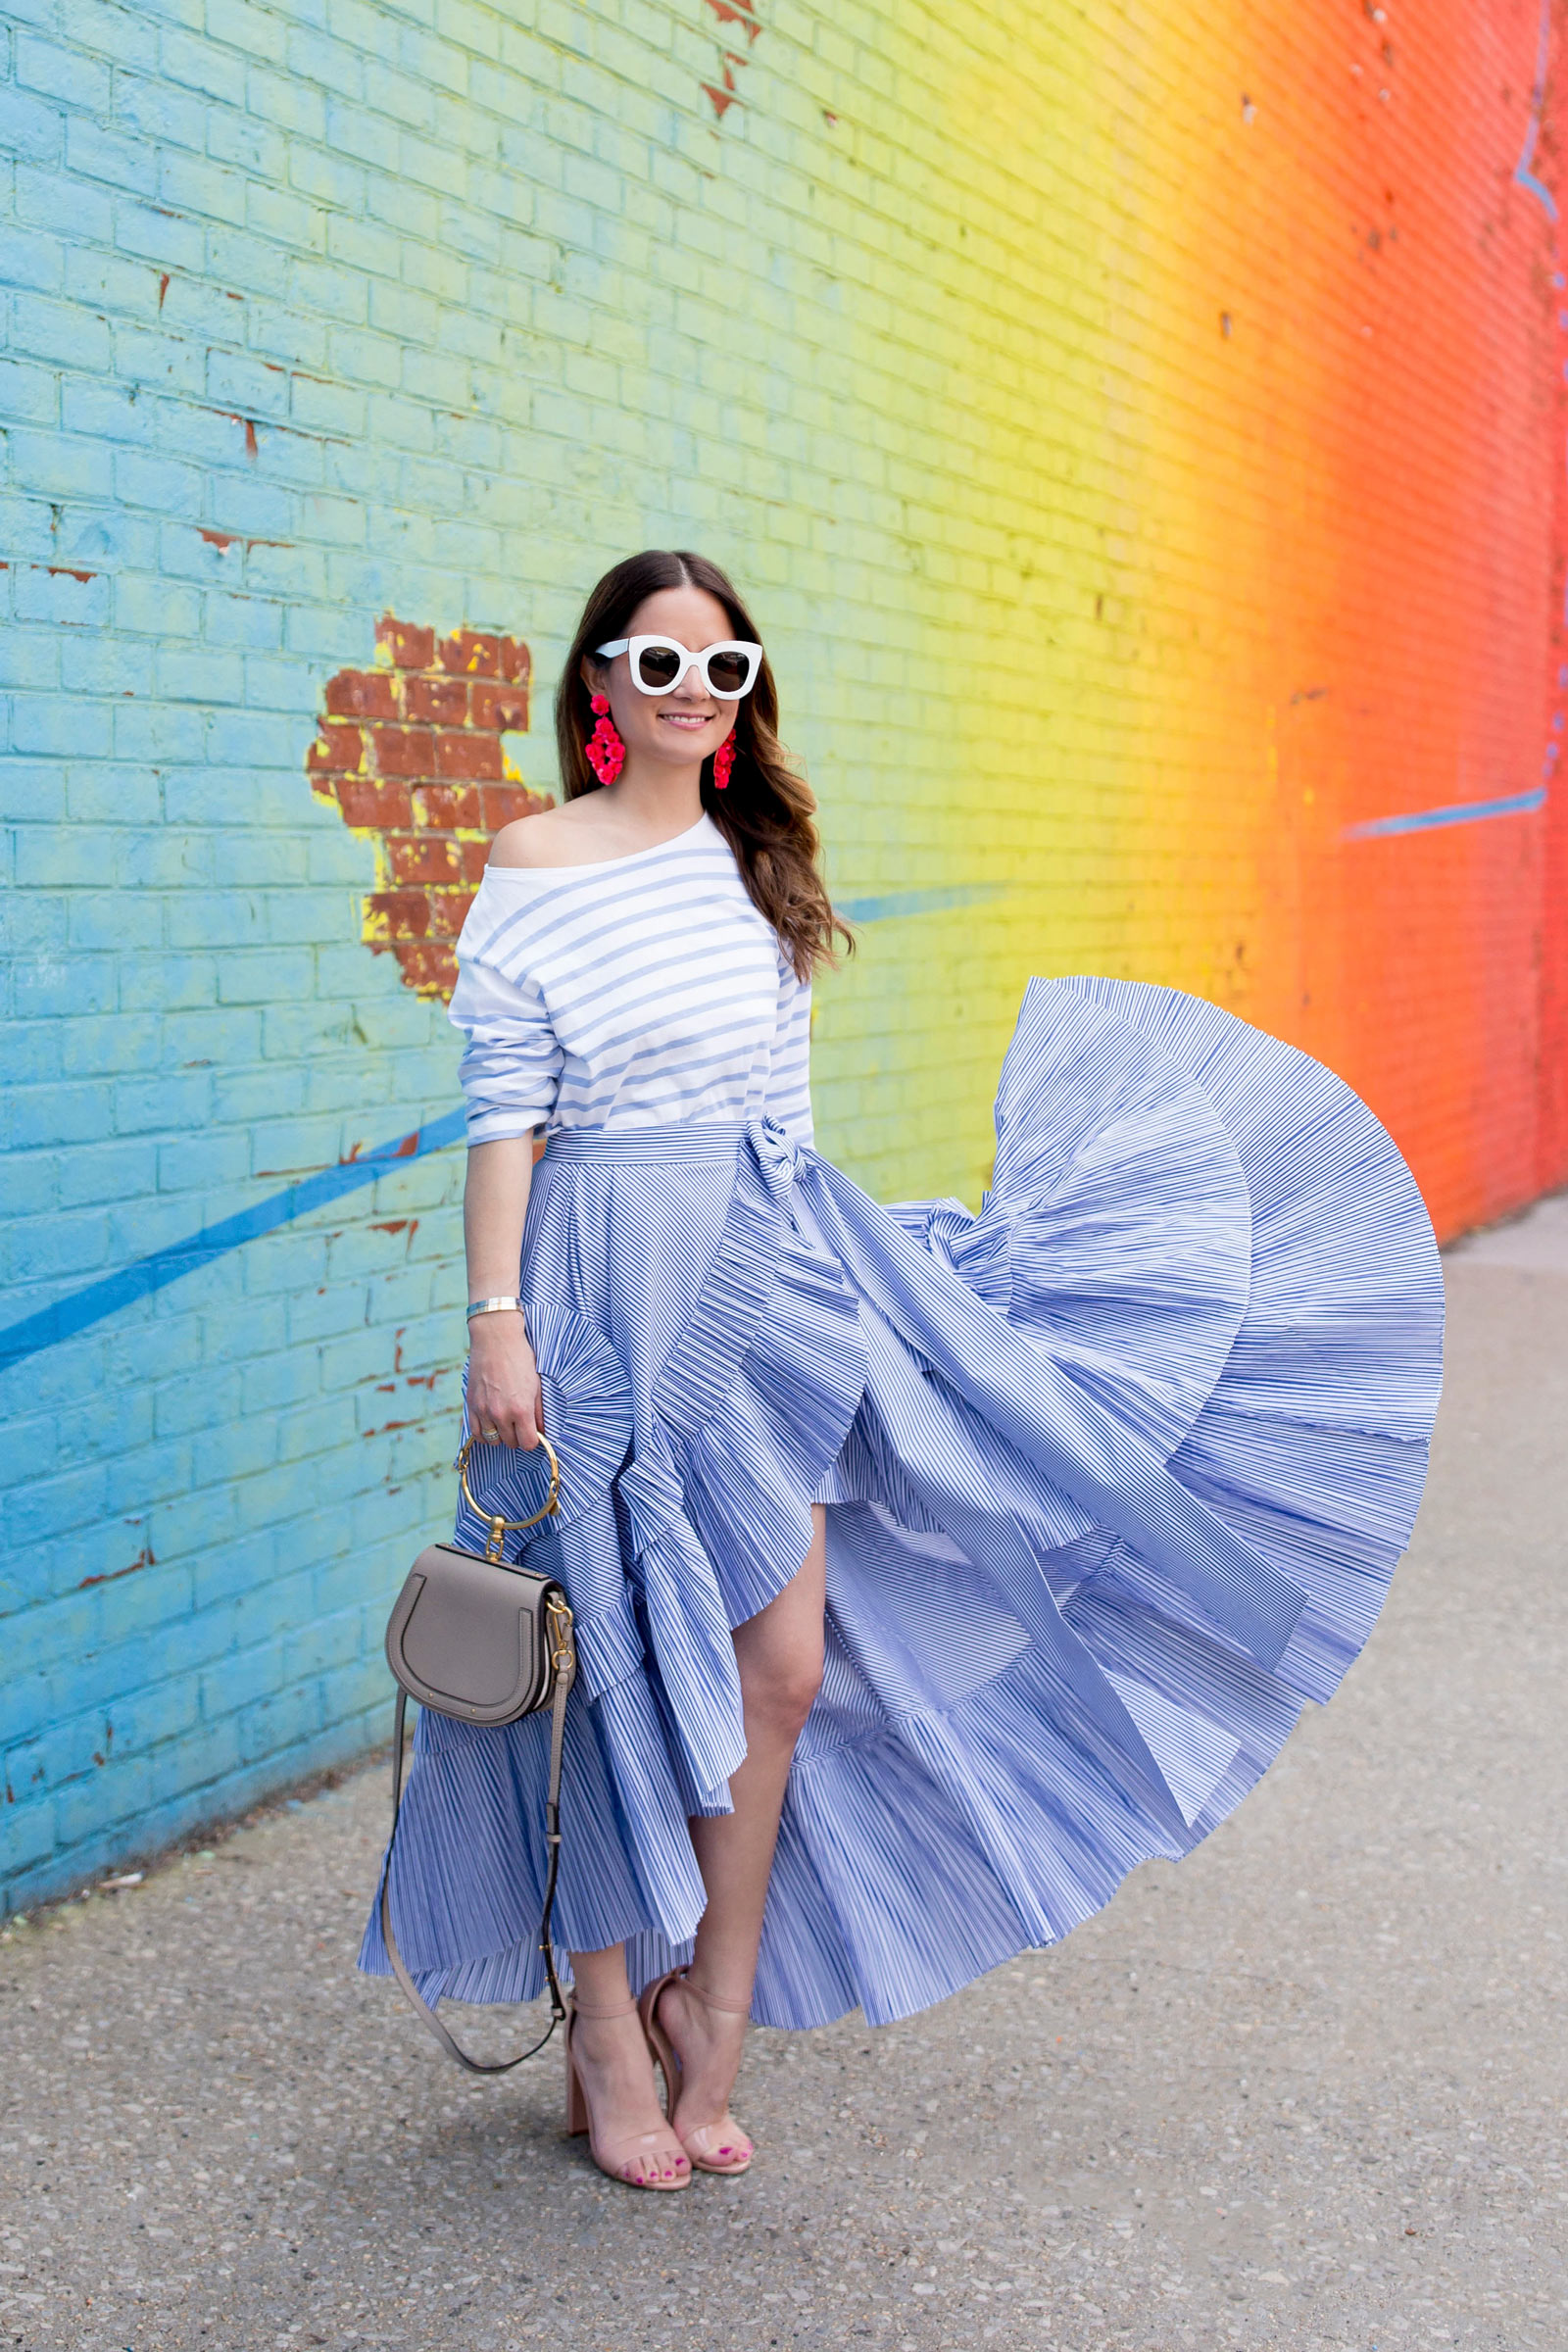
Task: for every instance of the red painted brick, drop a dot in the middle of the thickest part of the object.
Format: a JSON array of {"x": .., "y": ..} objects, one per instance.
[
  {"x": 338, "y": 751},
  {"x": 501, "y": 709},
  {"x": 410, "y": 647},
  {"x": 422, "y": 722},
  {"x": 372, "y": 807},
  {"x": 363, "y": 693},
  {"x": 504, "y": 802},
  {"x": 453, "y": 807},
  {"x": 463, "y": 752},
  {"x": 426, "y": 857},
  {"x": 471, "y": 654},
  {"x": 439, "y": 701},
  {"x": 403, "y": 750},
  {"x": 426, "y": 966},
  {"x": 398, "y": 913},
  {"x": 448, "y": 910}
]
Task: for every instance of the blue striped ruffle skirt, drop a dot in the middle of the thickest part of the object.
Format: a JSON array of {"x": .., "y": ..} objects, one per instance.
[{"x": 1116, "y": 1475}]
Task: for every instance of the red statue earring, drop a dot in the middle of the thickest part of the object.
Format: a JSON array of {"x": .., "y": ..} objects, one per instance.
[
  {"x": 724, "y": 763},
  {"x": 607, "y": 754}
]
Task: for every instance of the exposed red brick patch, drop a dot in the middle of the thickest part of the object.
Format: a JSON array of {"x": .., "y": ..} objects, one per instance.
[
  {"x": 742, "y": 14},
  {"x": 411, "y": 752}
]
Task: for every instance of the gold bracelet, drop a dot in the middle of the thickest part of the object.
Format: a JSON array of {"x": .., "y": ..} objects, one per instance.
[{"x": 495, "y": 1306}]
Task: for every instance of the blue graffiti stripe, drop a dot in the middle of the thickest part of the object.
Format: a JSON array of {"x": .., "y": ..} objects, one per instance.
[
  {"x": 899, "y": 903},
  {"x": 1458, "y": 812},
  {"x": 80, "y": 1309}
]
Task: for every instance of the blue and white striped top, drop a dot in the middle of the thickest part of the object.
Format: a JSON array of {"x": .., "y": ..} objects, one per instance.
[{"x": 634, "y": 993}]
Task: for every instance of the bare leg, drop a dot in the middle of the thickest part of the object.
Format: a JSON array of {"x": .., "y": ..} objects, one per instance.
[
  {"x": 779, "y": 1653},
  {"x": 617, "y": 2070}
]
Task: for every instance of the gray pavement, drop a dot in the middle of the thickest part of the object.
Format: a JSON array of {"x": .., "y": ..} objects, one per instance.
[{"x": 1307, "y": 2090}]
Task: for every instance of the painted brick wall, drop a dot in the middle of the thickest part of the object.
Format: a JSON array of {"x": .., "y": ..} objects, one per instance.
[{"x": 1140, "y": 434}]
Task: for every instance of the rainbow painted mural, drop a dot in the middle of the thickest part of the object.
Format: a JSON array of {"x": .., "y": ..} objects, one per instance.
[{"x": 1142, "y": 435}]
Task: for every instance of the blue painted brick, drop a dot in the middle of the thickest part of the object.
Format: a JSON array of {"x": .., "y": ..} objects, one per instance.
[
  {"x": 36, "y": 1116},
  {"x": 106, "y": 410},
  {"x": 33, "y": 261},
  {"x": 176, "y": 1100},
  {"x": 108, "y": 1171},
  {"x": 61, "y": 595},
  {"x": 43, "y": 723},
  {"x": 154, "y": 110},
  {"x": 94, "y": 153},
  {"x": 58, "y": 72},
  {"x": 255, "y": 621},
  {"x": 28, "y": 394},
  {"x": 200, "y": 64},
  {"x": 84, "y": 986},
  {"x": 193, "y": 185},
  {"x": 154, "y": 605},
  {"x": 251, "y": 508},
  {"x": 122, "y": 35},
  {"x": 260, "y": 31},
  {"x": 28, "y": 526},
  {"x": 29, "y": 127},
  {"x": 158, "y": 236},
  {"x": 60, "y": 466},
  {"x": 159, "y": 731},
  {"x": 30, "y": 657},
  {"x": 106, "y": 282},
  {"x": 159, "y": 483}
]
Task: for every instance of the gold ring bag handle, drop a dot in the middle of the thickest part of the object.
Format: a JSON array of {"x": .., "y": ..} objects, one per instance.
[
  {"x": 456, "y": 1582},
  {"x": 499, "y": 1527}
]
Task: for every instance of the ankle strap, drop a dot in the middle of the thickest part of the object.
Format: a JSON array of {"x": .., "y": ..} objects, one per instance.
[
  {"x": 627, "y": 2008},
  {"x": 711, "y": 2001}
]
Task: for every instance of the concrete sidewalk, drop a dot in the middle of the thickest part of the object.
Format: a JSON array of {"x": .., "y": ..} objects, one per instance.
[{"x": 1307, "y": 2089}]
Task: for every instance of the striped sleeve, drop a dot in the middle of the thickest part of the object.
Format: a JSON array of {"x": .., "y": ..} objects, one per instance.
[
  {"x": 511, "y": 1066},
  {"x": 789, "y": 1086}
]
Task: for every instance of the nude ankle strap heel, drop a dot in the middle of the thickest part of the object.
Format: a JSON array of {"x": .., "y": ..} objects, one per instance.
[
  {"x": 720, "y": 2147},
  {"x": 615, "y": 2157}
]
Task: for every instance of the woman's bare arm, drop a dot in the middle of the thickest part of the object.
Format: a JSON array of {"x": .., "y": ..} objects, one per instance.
[{"x": 503, "y": 1377}]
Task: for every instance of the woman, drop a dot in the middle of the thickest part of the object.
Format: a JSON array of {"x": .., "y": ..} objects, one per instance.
[{"x": 1079, "y": 1497}]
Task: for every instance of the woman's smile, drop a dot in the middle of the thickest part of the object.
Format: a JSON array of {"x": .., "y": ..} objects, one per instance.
[{"x": 686, "y": 718}]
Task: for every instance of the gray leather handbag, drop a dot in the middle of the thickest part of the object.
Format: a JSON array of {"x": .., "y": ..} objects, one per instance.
[{"x": 486, "y": 1641}]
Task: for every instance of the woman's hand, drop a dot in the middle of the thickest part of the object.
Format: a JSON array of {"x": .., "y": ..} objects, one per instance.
[{"x": 504, "y": 1406}]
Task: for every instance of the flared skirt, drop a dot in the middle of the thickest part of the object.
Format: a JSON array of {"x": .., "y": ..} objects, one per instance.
[{"x": 1116, "y": 1473}]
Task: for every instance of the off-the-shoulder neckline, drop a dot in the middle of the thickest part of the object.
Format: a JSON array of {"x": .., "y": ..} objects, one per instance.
[{"x": 597, "y": 865}]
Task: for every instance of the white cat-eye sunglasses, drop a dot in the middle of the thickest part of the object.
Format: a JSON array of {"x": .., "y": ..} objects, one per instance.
[{"x": 658, "y": 663}]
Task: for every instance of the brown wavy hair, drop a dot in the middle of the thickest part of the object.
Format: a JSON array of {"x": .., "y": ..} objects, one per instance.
[{"x": 766, "y": 812}]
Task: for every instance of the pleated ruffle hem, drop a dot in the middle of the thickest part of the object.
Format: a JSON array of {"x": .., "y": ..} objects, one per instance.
[{"x": 1116, "y": 1475}]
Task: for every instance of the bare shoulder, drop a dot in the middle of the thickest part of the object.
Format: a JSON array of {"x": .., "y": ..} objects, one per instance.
[{"x": 565, "y": 836}]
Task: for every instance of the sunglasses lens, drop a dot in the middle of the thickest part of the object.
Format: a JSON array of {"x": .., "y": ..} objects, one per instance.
[
  {"x": 727, "y": 672},
  {"x": 657, "y": 667}
]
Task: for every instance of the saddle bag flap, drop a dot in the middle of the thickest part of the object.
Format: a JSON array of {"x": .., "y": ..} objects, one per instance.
[{"x": 470, "y": 1638}]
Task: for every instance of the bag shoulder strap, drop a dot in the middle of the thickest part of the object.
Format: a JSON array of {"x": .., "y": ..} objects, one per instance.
[{"x": 566, "y": 1675}]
